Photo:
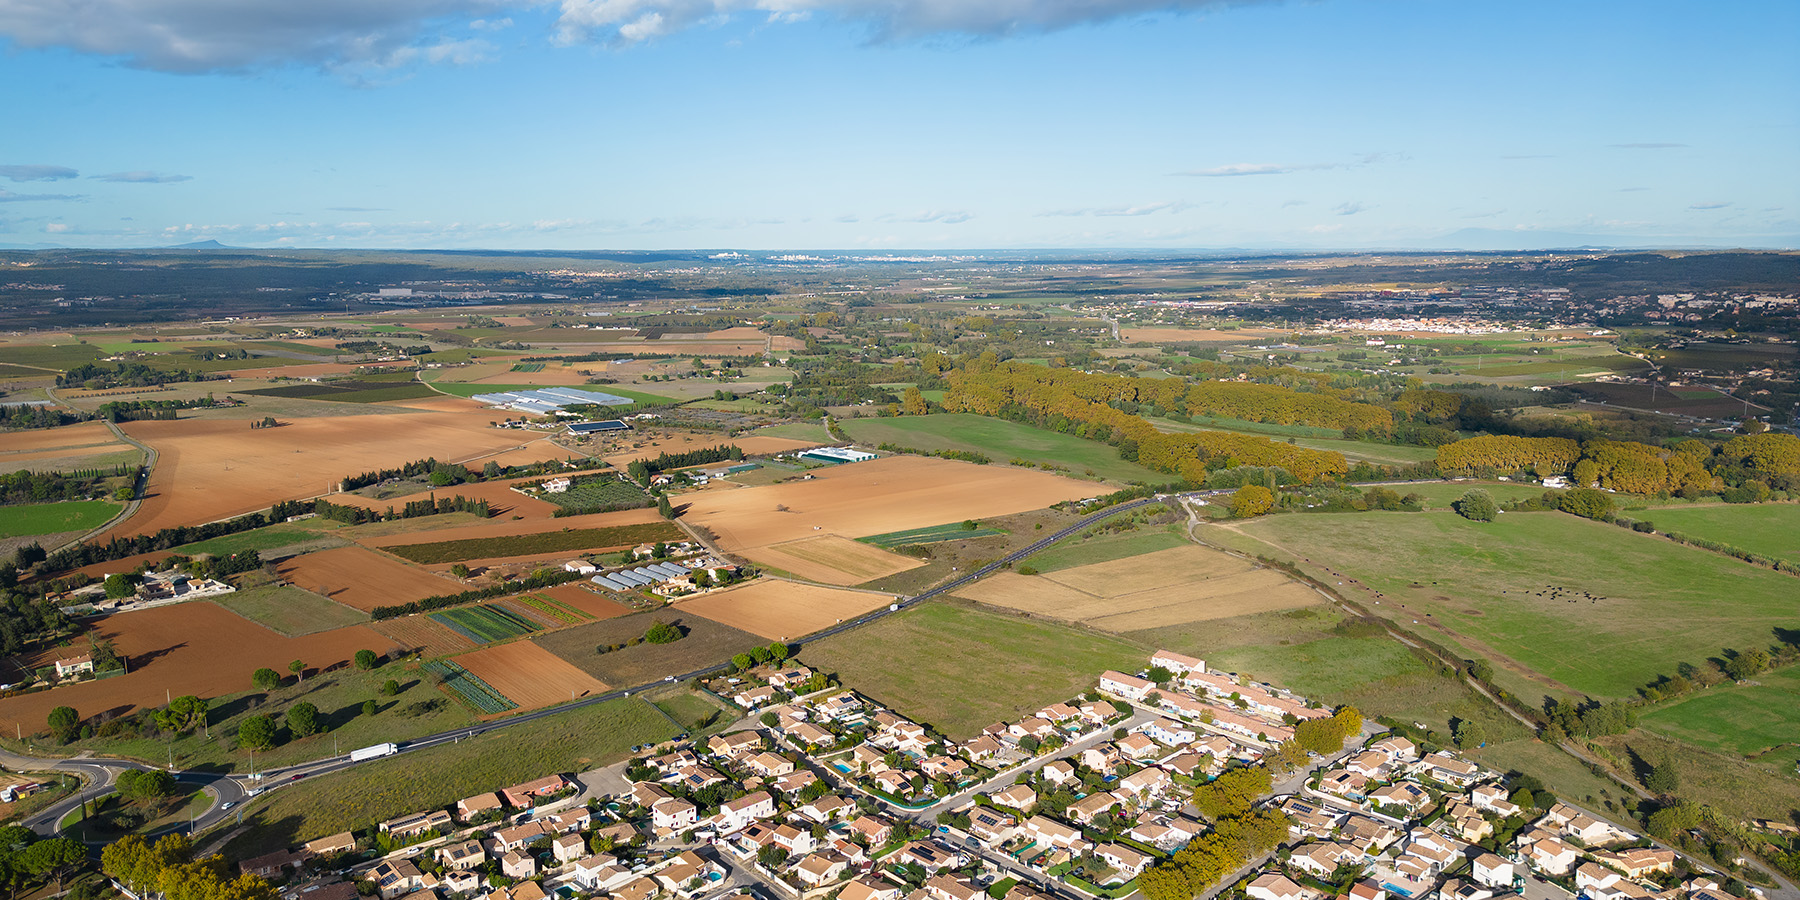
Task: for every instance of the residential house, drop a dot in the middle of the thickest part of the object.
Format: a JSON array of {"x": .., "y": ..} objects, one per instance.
[
  {"x": 894, "y": 781},
  {"x": 518, "y": 865},
  {"x": 684, "y": 870},
  {"x": 270, "y": 865},
  {"x": 1367, "y": 832},
  {"x": 1171, "y": 733},
  {"x": 796, "y": 841},
  {"x": 806, "y": 734},
  {"x": 1371, "y": 764},
  {"x": 838, "y": 706},
  {"x": 1101, "y": 758},
  {"x": 877, "y": 832},
  {"x": 1323, "y": 858},
  {"x": 519, "y": 837},
  {"x": 522, "y": 796},
  {"x": 827, "y": 809},
  {"x": 1139, "y": 747},
  {"x": 1126, "y": 863},
  {"x": 1397, "y": 748},
  {"x": 342, "y": 842},
  {"x": 1492, "y": 797},
  {"x": 455, "y": 881},
  {"x": 569, "y": 847},
  {"x": 755, "y": 697},
  {"x": 1122, "y": 685},
  {"x": 928, "y": 856},
  {"x": 1090, "y": 807},
  {"x": 944, "y": 886},
  {"x": 600, "y": 872},
  {"x": 735, "y": 745},
  {"x": 417, "y": 824},
  {"x": 1449, "y": 770},
  {"x": 569, "y": 820},
  {"x": 1180, "y": 664},
  {"x": 464, "y": 855},
  {"x": 735, "y": 815},
  {"x": 1494, "y": 871},
  {"x": 1059, "y": 772},
  {"x": 991, "y": 825},
  {"x": 1148, "y": 782},
  {"x": 821, "y": 869},
  {"x": 982, "y": 748},
  {"x": 1343, "y": 783},
  {"x": 870, "y": 887},
  {"x": 636, "y": 889},
  {"x": 943, "y": 767},
  {"x": 396, "y": 878},
  {"x": 1551, "y": 856},
  {"x": 1403, "y": 794},
  {"x": 469, "y": 808},
  {"x": 770, "y": 765},
  {"x": 1271, "y": 886},
  {"x": 1051, "y": 834},
  {"x": 74, "y": 665},
  {"x": 1020, "y": 797},
  {"x": 673, "y": 814},
  {"x": 1638, "y": 862}
]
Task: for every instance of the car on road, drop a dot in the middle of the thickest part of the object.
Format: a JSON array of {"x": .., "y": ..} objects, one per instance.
[
  {"x": 226, "y": 806},
  {"x": 297, "y": 777}
]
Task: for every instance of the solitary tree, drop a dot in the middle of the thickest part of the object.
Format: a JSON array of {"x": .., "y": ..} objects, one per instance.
[
  {"x": 65, "y": 723},
  {"x": 1476, "y": 505},
  {"x": 365, "y": 659},
  {"x": 257, "y": 733},
  {"x": 368, "y": 707},
  {"x": 265, "y": 679},
  {"x": 662, "y": 633},
  {"x": 303, "y": 719},
  {"x": 778, "y": 651},
  {"x": 390, "y": 687},
  {"x": 298, "y": 668},
  {"x": 459, "y": 570}
]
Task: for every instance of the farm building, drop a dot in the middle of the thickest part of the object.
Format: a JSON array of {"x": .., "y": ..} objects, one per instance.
[
  {"x": 641, "y": 576},
  {"x": 837, "y": 455},
  {"x": 580, "y": 567},
  {"x": 598, "y": 427},
  {"x": 545, "y": 401},
  {"x": 557, "y": 486}
]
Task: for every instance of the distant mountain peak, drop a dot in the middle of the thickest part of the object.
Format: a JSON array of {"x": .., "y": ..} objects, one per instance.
[{"x": 208, "y": 244}]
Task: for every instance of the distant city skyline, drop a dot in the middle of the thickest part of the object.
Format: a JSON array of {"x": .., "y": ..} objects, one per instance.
[{"x": 902, "y": 124}]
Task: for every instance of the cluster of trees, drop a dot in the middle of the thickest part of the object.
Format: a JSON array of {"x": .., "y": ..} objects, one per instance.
[
  {"x": 538, "y": 580},
  {"x": 26, "y": 486},
  {"x": 19, "y": 418},
  {"x": 413, "y": 469},
  {"x": 970, "y": 456},
  {"x": 776, "y": 652},
  {"x": 1736, "y": 665},
  {"x": 1251, "y": 500},
  {"x": 1589, "y": 718},
  {"x": 1231, "y": 794},
  {"x": 1326, "y": 736},
  {"x": 135, "y": 410},
  {"x": 1476, "y": 505},
  {"x": 642, "y": 469},
  {"x": 24, "y": 857},
  {"x": 357, "y": 515},
  {"x": 125, "y": 374},
  {"x": 145, "y": 786},
  {"x": 1689, "y": 468},
  {"x": 25, "y": 621},
  {"x": 1230, "y": 844},
  {"x": 169, "y": 870},
  {"x": 664, "y": 633}
]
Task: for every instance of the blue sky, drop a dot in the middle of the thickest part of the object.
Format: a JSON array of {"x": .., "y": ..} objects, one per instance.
[{"x": 934, "y": 124}]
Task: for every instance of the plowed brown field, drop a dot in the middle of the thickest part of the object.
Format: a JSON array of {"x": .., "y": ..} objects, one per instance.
[
  {"x": 529, "y": 675},
  {"x": 215, "y": 468},
  {"x": 876, "y": 497},
  {"x": 579, "y": 597},
  {"x": 783, "y": 610},
  {"x": 82, "y": 435},
  {"x": 833, "y": 560},
  {"x": 363, "y": 578},
  {"x": 188, "y": 648}
]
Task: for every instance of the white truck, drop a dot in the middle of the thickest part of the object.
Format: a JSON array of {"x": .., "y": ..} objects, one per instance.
[{"x": 375, "y": 752}]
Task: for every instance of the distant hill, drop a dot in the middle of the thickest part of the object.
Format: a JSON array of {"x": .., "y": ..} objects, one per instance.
[{"x": 201, "y": 245}]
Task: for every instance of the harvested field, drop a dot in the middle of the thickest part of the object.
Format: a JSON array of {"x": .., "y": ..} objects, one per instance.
[
  {"x": 215, "y": 468},
  {"x": 84, "y": 434},
  {"x": 833, "y": 559},
  {"x": 363, "y": 578},
  {"x": 707, "y": 642},
  {"x": 876, "y": 497},
  {"x": 526, "y": 454},
  {"x": 74, "y": 459},
  {"x": 783, "y": 610},
  {"x": 529, "y": 675},
  {"x": 1168, "y": 587},
  {"x": 541, "y": 544},
  {"x": 496, "y": 528},
  {"x": 577, "y": 596},
  {"x": 681, "y": 442},
  {"x": 423, "y": 634},
  {"x": 187, "y": 648}
]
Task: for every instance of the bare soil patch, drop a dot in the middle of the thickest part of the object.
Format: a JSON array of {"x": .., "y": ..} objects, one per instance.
[
  {"x": 188, "y": 648},
  {"x": 833, "y": 559},
  {"x": 578, "y": 596},
  {"x": 890, "y": 494},
  {"x": 1175, "y": 565},
  {"x": 529, "y": 675},
  {"x": 213, "y": 469},
  {"x": 707, "y": 642},
  {"x": 85, "y": 434},
  {"x": 783, "y": 610},
  {"x": 362, "y": 578}
]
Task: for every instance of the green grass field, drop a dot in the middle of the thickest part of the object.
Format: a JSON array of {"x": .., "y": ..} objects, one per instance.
[
  {"x": 49, "y": 356},
  {"x": 930, "y": 535},
  {"x": 1001, "y": 440},
  {"x": 1309, "y": 437},
  {"x": 273, "y": 537},
  {"x": 290, "y": 610},
  {"x": 55, "y": 518},
  {"x": 1771, "y": 529},
  {"x": 359, "y": 797},
  {"x": 1656, "y": 603},
  {"x": 1740, "y": 719},
  {"x": 544, "y": 542},
  {"x": 485, "y": 624},
  {"x": 1102, "y": 547},
  {"x": 1440, "y": 494},
  {"x": 941, "y": 663},
  {"x": 799, "y": 431}
]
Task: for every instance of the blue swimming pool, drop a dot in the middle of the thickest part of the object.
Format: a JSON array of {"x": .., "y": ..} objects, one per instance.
[{"x": 1395, "y": 889}]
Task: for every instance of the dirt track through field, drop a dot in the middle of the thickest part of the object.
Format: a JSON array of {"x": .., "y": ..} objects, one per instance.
[
  {"x": 215, "y": 468},
  {"x": 363, "y": 578},
  {"x": 833, "y": 560},
  {"x": 188, "y": 648},
  {"x": 1168, "y": 587},
  {"x": 890, "y": 494},
  {"x": 783, "y": 610},
  {"x": 529, "y": 675}
]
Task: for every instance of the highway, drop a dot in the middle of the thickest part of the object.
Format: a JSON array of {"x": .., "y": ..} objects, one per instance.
[{"x": 229, "y": 791}]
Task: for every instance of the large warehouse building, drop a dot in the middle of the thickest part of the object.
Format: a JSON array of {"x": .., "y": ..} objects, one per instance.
[{"x": 837, "y": 455}]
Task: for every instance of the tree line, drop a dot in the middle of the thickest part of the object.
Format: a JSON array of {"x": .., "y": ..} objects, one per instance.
[
  {"x": 642, "y": 469},
  {"x": 1748, "y": 464},
  {"x": 26, "y": 486}
]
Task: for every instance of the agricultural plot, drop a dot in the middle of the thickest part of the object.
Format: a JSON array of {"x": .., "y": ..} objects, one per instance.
[
  {"x": 596, "y": 492},
  {"x": 1001, "y": 440},
  {"x": 934, "y": 661},
  {"x": 423, "y": 635},
  {"x": 706, "y": 643},
  {"x": 187, "y": 648},
  {"x": 1553, "y": 600},
  {"x": 362, "y": 578},
  {"x": 783, "y": 610},
  {"x": 935, "y": 534},
  {"x": 468, "y": 688},
  {"x": 290, "y": 610},
  {"x": 529, "y": 675},
  {"x": 55, "y": 518},
  {"x": 1741, "y": 719},
  {"x": 877, "y": 497},
  {"x": 832, "y": 560},
  {"x": 348, "y": 391},
  {"x": 1101, "y": 546},
  {"x": 1770, "y": 529},
  {"x": 486, "y": 624},
  {"x": 583, "y": 539},
  {"x": 1694, "y": 401},
  {"x": 1168, "y": 587},
  {"x": 558, "y": 612}
]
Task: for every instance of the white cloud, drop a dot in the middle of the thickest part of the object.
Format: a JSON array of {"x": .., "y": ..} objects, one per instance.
[
  {"x": 36, "y": 173},
  {"x": 142, "y": 177},
  {"x": 491, "y": 24},
  {"x": 1711, "y": 204},
  {"x": 57, "y": 228},
  {"x": 1350, "y": 208},
  {"x": 212, "y": 35}
]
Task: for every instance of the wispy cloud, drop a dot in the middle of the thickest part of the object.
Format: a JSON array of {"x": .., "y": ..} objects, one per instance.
[
  {"x": 941, "y": 217},
  {"x": 37, "y": 173},
  {"x": 1139, "y": 210},
  {"x": 10, "y": 197},
  {"x": 491, "y": 24},
  {"x": 142, "y": 177},
  {"x": 1349, "y": 209},
  {"x": 1647, "y": 146},
  {"x": 1238, "y": 170},
  {"x": 1711, "y": 204},
  {"x": 1484, "y": 215}
]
